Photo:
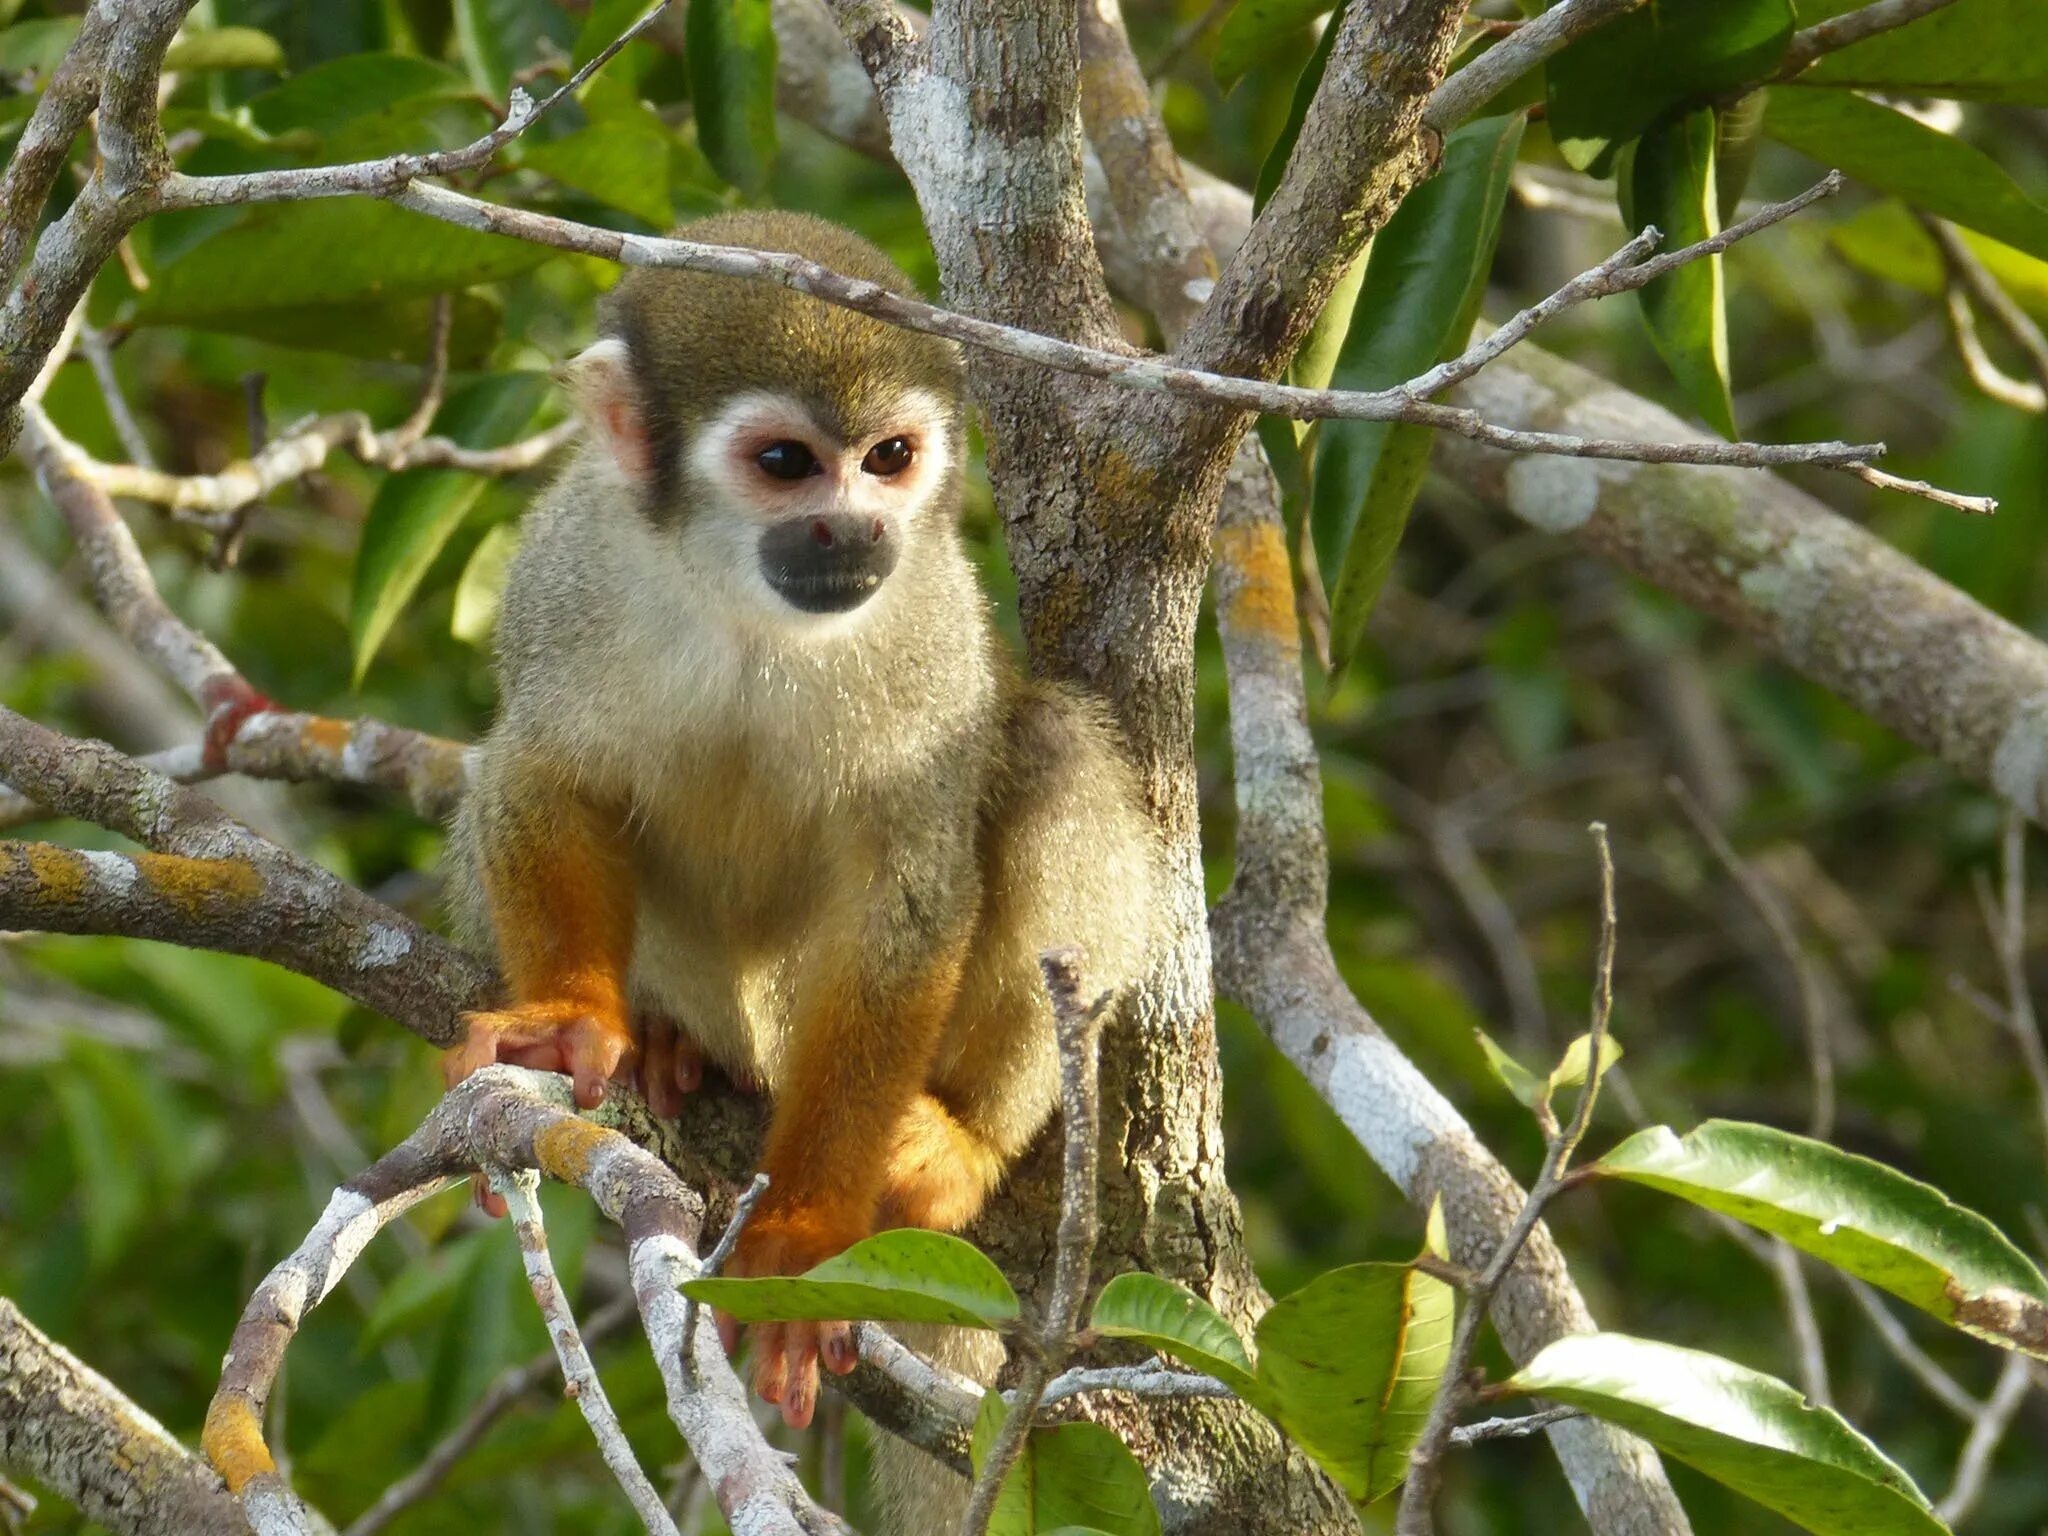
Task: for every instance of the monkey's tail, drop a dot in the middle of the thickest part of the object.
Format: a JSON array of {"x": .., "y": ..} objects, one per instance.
[{"x": 916, "y": 1495}]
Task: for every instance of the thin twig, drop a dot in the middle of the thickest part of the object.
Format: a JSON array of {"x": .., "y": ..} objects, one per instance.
[
  {"x": 1968, "y": 272},
  {"x": 1987, "y": 1431},
  {"x": 1531, "y": 43},
  {"x": 1806, "y": 1340},
  {"x": 2008, "y": 924},
  {"x": 99, "y": 356},
  {"x": 1940, "y": 1385},
  {"x": 1511, "y": 1429},
  {"x": 1077, "y": 1025},
  {"x": 1838, "y": 32},
  {"x": 1425, "y": 1461},
  {"x": 511, "y": 1386},
  {"x": 722, "y": 1250},
  {"x": 521, "y": 1191},
  {"x": 1770, "y": 911}
]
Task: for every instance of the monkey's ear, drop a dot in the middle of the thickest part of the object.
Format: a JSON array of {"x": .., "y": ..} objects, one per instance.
[{"x": 600, "y": 380}]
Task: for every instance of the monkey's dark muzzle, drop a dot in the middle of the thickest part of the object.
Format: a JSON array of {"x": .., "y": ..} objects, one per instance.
[{"x": 827, "y": 564}]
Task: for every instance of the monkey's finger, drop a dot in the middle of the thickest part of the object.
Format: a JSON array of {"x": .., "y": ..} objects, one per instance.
[
  {"x": 770, "y": 1362},
  {"x": 488, "y": 1200},
  {"x": 728, "y": 1332},
  {"x": 657, "y": 1069},
  {"x": 689, "y": 1066},
  {"x": 835, "y": 1347},
  {"x": 594, "y": 1056},
  {"x": 478, "y": 1049},
  {"x": 800, "y": 1374}
]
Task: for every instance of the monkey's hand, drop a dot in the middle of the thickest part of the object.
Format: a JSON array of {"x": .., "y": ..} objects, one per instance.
[
  {"x": 786, "y": 1355},
  {"x": 566, "y": 1035}
]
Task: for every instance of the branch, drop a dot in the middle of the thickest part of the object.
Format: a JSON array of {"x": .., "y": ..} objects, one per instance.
[
  {"x": 1971, "y": 276},
  {"x": 521, "y": 1192},
  {"x": 1464, "y": 93},
  {"x": 1987, "y": 1430},
  {"x": 74, "y": 1432},
  {"x": 1272, "y": 954},
  {"x": 1077, "y": 1025},
  {"x": 1838, "y": 32},
  {"x": 505, "y": 1117}
]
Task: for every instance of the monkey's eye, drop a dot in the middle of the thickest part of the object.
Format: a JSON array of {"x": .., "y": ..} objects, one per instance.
[
  {"x": 889, "y": 457},
  {"x": 788, "y": 460}
]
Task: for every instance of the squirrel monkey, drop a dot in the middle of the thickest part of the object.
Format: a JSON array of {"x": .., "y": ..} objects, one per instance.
[{"x": 765, "y": 778}]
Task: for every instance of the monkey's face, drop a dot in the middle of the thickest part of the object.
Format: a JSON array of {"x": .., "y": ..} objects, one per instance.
[{"x": 821, "y": 505}]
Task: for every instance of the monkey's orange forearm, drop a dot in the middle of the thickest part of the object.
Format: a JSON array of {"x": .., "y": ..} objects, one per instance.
[
  {"x": 560, "y": 889},
  {"x": 859, "y": 1070}
]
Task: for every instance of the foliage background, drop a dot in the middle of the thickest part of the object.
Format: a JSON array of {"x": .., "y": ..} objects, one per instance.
[{"x": 170, "y": 1122}]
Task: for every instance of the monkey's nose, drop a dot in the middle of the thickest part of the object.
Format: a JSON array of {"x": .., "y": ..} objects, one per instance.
[{"x": 828, "y": 563}]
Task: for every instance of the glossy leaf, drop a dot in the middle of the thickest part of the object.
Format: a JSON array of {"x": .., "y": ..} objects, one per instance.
[
  {"x": 620, "y": 161},
  {"x": 1979, "y": 50},
  {"x": 341, "y": 90},
  {"x": 729, "y": 46},
  {"x": 1173, "y": 1319},
  {"x": 1899, "y": 155},
  {"x": 1860, "y": 1216},
  {"x": 390, "y": 332},
  {"x": 1671, "y": 184},
  {"x": 1070, "y": 1478},
  {"x": 1618, "y": 79},
  {"x": 1354, "y": 1359},
  {"x": 905, "y": 1276},
  {"x": 1275, "y": 164},
  {"x": 346, "y": 251},
  {"x": 1738, "y": 1426},
  {"x": 1424, "y": 278},
  {"x": 1255, "y": 30},
  {"x": 36, "y": 47},
  {"x": 415, "y": 511}
]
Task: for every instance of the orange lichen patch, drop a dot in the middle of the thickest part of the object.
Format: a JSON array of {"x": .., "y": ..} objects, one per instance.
[
  {"x": 233, "y": 1441},
  {"x": 1261, "y": 585},
  {"x": 566, "y": 1148},
  {"x": 324, "y": 736},
  {"x": 199, "y": 886},
  {"x": 60, "y": 874}
]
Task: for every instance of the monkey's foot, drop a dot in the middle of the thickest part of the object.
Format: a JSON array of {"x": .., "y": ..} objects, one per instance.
[
  {"x": 566, "y": 1037},
  {"x": 671, "y": 1065},
  {"x": 787, "y": 1355},
  {"x": 939, "y": 1173}
]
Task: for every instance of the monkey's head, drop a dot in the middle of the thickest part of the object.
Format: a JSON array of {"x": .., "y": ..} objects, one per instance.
[{"x": 796, "y": 449}]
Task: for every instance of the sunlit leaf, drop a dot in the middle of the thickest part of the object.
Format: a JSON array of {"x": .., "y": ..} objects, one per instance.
[
  {"x": 1740, "y": 1427},
  {"x": 1980, "y": 50},
  {"x": 1860, "y": 1216},
  {"x": 1255, "y": 30},
  {"x": 730, "y": 50},
  {"x": 1671, "y": 184},
  {"x": 417, "y": 510},
  {"x": 1887, "y": 241},
  {"x": 482, "y": 584},
  {"x": 905, "y": 1276},
  {"x": 1902, "y": 156},
  {"x": 225, "y": 48},
  {"x": 1069, "y": 1478},
  {"x": 1354, "y": 1359},
  {"x": 1173, "y": 1319}
]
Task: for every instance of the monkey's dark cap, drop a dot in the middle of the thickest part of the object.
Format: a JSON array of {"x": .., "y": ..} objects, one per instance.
[{"x": 699, "y": 339}]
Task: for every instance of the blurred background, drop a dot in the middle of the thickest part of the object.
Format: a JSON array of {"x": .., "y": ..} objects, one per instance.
[{"x": 171, "y": 1122}]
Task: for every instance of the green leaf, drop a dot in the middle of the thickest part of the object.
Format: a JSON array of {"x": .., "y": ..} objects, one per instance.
[
  {"x": 416, "y": 510},
  {"x": 1255, "y": 30},
  {"x": 1424, "y": 278},
  {"x": 729, "y": 46},
  {"x": 1670, "y": 180},
  {"x": 1899, "y": 155},
  {"x": 225, "y": 48},
  {"x": 1069, "y": 1478},
  {"x": 1860, "y": 1216},
  {"x": 1977, "y": 50},
  {"x": 339, "y": 91},
  {"x": 1173, "y": 1319},
  {"x": 498, "y": 38},
  {"x": 1887, "y": 241},
  {"x": 620, "y": 161},
  {"x": 1618, "y": 79},
  {"x": 1529, "y": 1089},
  {"x": 346, "y": 251},
  {"x": 1354, "y": 1359},
  {"x": 1311, "y": 77},
  {"x": 1740, "y": 1427},
  {"x": 482, "y": 585},
  {"x": 905, "y": 1276},
  {"x": 606, "y": 21},
  {"x": 1571, "y": 1070}
]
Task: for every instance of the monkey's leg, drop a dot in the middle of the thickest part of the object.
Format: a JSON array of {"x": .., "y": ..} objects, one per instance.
[
  {"x": 558, "y": 885},
  {"x": 861, "y": 1051},
  {"x": 940, "y": 1171}
]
